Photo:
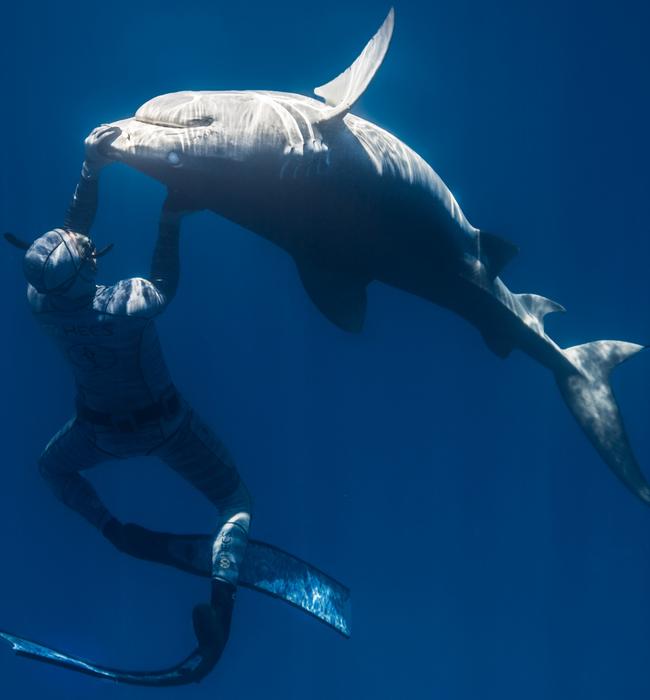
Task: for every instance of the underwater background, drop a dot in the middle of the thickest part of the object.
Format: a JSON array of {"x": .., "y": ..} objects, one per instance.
[{"x": 490, "y": 552}]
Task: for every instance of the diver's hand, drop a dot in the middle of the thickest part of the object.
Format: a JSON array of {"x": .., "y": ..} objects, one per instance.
[{"x": 97, "y": 145}]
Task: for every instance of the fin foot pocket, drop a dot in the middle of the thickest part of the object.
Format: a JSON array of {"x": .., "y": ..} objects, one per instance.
[{"x": 208, "y": 628}]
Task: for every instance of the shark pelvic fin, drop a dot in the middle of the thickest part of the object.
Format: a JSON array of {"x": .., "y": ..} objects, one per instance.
[
  {"x": 538, "y": 306},
  {"x": 338, "y": 295},
  {"x": 496, "y": 252},
  {"x": 500, "y": 343},
  {"x": 342, "y": 92},
  {"x": 589, "y": 395}
]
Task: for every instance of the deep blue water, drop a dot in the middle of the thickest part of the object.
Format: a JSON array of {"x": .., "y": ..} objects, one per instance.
[{"x": 490, "y": 552}]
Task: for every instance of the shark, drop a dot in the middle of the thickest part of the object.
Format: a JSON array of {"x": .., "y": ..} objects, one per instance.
[{"x": 352, "y": 204}]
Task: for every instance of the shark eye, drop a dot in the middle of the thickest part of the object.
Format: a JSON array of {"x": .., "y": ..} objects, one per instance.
[
  {"x": 173, "y": 158},
  {"x": 201, "y": 121}
]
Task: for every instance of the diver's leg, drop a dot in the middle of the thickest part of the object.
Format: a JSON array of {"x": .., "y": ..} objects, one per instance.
[
  {"x": 70, "y": 451},
  {"x": 197, "y": 455},
  {"x": 200, "y": 457}
]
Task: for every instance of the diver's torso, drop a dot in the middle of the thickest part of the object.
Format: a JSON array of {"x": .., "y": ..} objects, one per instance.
[{"x": 112, "y": 346}]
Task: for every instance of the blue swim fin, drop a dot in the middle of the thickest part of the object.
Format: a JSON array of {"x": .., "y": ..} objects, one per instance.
[{"x": 265, "y": 568}]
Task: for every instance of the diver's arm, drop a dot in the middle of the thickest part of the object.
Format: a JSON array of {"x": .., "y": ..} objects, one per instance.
[
  {"x": 82, "y": 208},
  {"x": 165, "y": 264}
]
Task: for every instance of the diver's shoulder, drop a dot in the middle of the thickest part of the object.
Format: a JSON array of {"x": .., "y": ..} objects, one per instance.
[
  {"x": 39, "y": 303},
  {"x": 134, "y": 296}
]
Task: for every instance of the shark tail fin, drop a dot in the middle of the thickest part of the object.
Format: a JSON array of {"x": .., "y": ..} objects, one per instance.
[{"x": 590, "y": 398}]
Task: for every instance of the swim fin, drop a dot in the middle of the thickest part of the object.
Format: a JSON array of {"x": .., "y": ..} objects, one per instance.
[{"x": 265, "y": 568}]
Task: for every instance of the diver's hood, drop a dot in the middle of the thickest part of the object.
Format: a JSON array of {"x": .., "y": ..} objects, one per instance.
[{"x": 61, "y": 263}]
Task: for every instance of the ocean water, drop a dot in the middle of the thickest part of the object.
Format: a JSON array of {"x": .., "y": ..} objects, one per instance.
[{"x": 490, "y": 552}]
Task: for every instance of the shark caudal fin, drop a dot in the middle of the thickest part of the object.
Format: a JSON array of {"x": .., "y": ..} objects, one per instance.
[{"x": 589, "y": 395}]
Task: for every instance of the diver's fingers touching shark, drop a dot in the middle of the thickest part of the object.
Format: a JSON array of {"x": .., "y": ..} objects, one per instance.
[{"x": 99, "y": 140}]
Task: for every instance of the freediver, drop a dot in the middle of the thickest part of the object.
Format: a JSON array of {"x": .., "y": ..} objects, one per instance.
[{"x": 126, "y": 403}]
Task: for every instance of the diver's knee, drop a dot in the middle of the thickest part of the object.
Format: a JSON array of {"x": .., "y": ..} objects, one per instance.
[
  {"x": 46, "y": 469},
  {"x": 57, "y": 479}
]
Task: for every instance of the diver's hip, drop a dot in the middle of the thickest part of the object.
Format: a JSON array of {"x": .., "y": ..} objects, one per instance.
[
  {"x": 138, "y": 431},
  {"x": 126, "y": 419}
]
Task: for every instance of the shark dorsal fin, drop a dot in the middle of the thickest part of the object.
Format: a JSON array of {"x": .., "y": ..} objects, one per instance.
[
  {"x": 538, "y": 305},
  {"x": 496, "y": 252},
  {"x": 342, "y": 92}
]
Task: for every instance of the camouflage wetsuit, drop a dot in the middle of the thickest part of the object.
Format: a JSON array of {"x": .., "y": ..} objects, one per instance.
[{"x": 127, "y": 404}]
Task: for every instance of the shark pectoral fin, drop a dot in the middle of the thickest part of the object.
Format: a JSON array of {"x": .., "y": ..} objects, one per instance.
[
  {"x": 496, "y": 252},
  {"x": 342, "y": 92},
  {"x": 338, "y": 294}
]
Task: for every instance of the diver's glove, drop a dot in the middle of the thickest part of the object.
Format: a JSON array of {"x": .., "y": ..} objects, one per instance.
[{"x": 96, "y": 145}]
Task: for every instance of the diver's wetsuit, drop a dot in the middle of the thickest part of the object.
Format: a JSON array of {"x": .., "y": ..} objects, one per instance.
[{"x": 126, "y": 402}]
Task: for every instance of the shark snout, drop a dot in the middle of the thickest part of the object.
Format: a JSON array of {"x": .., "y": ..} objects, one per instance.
[
  {"x": 139, "y": 142},
  {"x": 123, "y": 141}
]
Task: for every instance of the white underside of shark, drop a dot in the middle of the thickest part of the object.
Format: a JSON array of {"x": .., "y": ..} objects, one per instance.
[{"x": 353, "y": 204}]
